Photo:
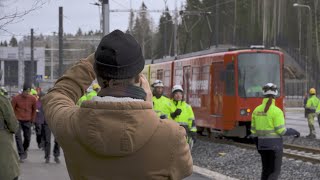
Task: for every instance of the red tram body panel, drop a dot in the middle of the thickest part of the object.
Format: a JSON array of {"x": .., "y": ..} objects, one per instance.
[{"x": 224, "y": 88}]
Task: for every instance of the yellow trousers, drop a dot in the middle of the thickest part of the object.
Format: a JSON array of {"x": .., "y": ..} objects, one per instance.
[{"x": 311, "y": 117}]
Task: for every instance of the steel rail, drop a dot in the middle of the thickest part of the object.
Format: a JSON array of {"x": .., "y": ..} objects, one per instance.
[{"x": 306, "y": 154}]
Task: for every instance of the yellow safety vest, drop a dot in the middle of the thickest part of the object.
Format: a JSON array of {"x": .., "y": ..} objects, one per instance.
[
  {"x": 160, "y": 105},
  {"x": 269, "y": 124},
  {"x": 186, "y": 115}
]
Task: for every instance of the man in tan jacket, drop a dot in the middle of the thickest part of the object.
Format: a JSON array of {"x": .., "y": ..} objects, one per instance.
[{"x": 116, "y": 135}]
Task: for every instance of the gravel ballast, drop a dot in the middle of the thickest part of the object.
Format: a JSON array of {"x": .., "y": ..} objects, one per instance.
[
  {"x": 245, "y": 164},
  {"x": 303, "y": 141}
]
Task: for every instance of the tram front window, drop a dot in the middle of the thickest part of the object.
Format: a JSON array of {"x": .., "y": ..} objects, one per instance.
[{"x": 256, "y": 70}]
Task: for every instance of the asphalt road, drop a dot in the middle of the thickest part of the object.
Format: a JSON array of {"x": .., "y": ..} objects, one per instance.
[{"x": 296, "y": 120}]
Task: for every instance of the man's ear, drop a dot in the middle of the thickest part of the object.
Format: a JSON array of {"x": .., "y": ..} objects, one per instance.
[{"x": 137, "y": 79}]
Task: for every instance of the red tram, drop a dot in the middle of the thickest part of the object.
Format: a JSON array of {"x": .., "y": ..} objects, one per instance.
[{"x": 223, "y": 88}]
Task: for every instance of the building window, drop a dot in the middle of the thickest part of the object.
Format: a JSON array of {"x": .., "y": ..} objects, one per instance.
[{"x": 12, "y": 56}]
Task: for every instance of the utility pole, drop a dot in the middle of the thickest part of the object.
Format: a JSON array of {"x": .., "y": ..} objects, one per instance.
[
  {"x": 309, "y": 45},
  {"x": 165, "y": 30},
  {"x": 31, "y": 80},
  {"x": 217, "y": 23},
  {"x": 100, "y": 16},
  {"x": 51, "y": 69},
  {"x": 165, "y": 37},
  {"x": 235, "y": 22},
  {"x": 175, "y": 33},
  {"x": 60, "y": 41},
  {"x": 106, "y": 16}
]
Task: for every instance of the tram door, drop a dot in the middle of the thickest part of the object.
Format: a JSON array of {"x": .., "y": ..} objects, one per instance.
[
  {"x": 186, "y": 82},
  {"x": 217, "y": 84}
]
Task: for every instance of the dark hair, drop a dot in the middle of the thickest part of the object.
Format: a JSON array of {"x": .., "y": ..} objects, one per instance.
[
  {"x": 108, "y": 82},
  {"x": 268, "y": 103}
]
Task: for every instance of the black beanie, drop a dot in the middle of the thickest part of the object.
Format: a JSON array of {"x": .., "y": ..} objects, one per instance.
[
  {"x": 118, "y": 56},
  {"x": 26, "y": 87}
]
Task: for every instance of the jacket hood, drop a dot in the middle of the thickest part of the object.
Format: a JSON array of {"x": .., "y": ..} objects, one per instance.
[{"x": 110, "y": 126}]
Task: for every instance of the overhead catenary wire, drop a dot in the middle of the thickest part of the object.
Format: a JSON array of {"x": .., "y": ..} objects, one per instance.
[
  {"x": 120, "y": 4},
  {"x": 218, "y": 4}
]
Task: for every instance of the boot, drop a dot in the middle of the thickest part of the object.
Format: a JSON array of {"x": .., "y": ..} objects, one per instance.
[
  {"x": 24, "y": 156},
  {"x": 311, "y": 136},
  {"x": 47, "y": 160},
  {"x": 57, "y": 160}
]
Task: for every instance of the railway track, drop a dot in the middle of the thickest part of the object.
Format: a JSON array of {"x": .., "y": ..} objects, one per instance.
[
  {"x": 306, "y": 154},
  {"x": 302, "y": 153}
]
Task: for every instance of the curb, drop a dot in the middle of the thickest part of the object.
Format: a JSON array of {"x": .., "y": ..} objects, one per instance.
[
  {"x": 211, "y": 174},
  {"x": 294, "y": 110}
]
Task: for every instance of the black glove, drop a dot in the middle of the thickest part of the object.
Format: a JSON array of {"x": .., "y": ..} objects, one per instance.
[
  {"x": 176, "y": 113},
  {"x": 292, "y": 132},
  {"x": 163, "y": 116},
  {"x": 251, "y": 136}
]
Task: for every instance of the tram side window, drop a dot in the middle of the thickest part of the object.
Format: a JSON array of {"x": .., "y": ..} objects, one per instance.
[{"x": 230, "y": 88}]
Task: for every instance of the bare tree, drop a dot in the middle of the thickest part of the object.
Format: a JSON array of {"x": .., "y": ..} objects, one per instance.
[{"x": 16, "y": 15}]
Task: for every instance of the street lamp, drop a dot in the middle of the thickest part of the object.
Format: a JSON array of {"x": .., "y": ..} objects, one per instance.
[
  {"x": 100, "y": 18},
  {"x": 51, "y": 62},
  {"x": 309, "y": 49}
]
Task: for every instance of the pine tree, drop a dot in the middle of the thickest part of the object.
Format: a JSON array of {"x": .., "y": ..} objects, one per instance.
[
  {"x": 79, "y": 32},
  {"x": 164, "y": 36},
  {"x": 13, "y": 42},
  {"x": 142, "y": 31}
]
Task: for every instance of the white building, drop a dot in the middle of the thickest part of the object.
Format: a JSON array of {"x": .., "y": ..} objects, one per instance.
[{"x": 15, "y": 65}]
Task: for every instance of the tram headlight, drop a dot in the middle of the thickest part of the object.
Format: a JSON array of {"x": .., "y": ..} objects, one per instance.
[{"x": 243, "y": 112}]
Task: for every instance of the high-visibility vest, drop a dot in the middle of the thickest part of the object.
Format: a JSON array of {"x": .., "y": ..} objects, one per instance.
[
  {"x": 91, "y": 94},
  {"x": 186, "y": 115},
  {"x": 312, "y": 102},
  {"x": 160, "y": 105},
  {"x": 269, "y": 124},
  {"x": 83, "y": 98}
]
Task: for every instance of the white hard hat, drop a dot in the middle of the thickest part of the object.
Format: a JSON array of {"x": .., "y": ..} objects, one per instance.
[
  {"x": 177, "y": 88},
  {"x": 3, "y": 89},
  {"x": 157, "y": 83},
  {"x": 270, "y": 89},
  {"x": 89, "y": 89}
]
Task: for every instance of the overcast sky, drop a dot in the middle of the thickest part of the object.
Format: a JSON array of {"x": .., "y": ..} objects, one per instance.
[{"x": 77, "y": 13}]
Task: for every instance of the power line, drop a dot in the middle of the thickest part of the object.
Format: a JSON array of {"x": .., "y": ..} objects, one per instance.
[
  {"x": 120, "y": 4},
  {"x": 161, "y": 11},
  {"x": 219, "y": 4}
]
